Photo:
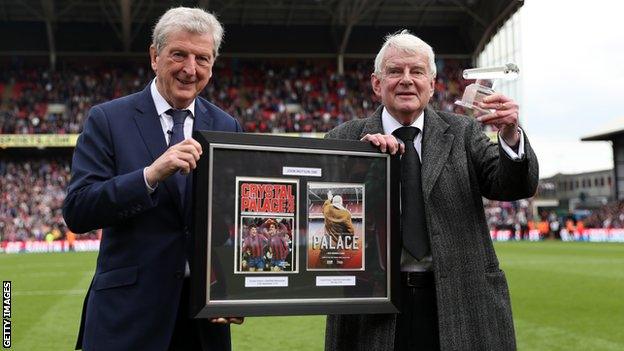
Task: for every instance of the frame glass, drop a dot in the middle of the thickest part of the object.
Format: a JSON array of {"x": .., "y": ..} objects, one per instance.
[{"x": 293, "y": 226}]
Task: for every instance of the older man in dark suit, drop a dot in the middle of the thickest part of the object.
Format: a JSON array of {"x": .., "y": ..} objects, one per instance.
[
  {"x": 454, "y": 296},
  {"x": 130, "y": 176}
]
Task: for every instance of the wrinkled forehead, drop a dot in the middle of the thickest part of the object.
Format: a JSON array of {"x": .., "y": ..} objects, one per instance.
[
  {"x": 394, "y": 57},
  {"x": 200, "y": 43}
]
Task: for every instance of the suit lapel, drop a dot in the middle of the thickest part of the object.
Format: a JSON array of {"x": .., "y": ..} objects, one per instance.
[
  {"x": 151, "y": 132},
  {"x": 149, "y": 125},
  {"x": 436, "y": 147},
  {"x": 202, "y": 121}
]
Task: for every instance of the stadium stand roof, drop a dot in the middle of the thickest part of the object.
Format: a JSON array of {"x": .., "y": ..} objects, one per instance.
[
  {"x": 321, "y": 27},
  {"x": 613, "y": 131},
  {"x": 608, "y": 131}
]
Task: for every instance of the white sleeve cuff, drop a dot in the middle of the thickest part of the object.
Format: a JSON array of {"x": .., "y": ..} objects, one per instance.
[
  {"x": 150, "y": 190},
  {"x": 509, "y": 151}
]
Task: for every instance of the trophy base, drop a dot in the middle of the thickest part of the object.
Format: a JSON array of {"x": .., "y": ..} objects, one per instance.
[{"x": 475, "y": 109}]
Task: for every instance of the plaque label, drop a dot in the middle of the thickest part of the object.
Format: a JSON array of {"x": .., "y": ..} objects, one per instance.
[
  {"x": 335, "y": 280},
  {"x": 266, "y": 282},
  {"x": 302, "y": 171}
]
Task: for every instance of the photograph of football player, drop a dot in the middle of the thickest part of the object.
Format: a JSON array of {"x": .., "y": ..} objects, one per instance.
[
  {"x": 254, "y": 248},
  {"x": 278, "y": 244}
]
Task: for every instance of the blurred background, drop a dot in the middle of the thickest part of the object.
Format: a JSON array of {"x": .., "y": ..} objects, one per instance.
[{"x": 302, "y": 68}]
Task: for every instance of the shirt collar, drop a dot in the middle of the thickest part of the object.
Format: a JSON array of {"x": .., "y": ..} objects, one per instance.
[
  {"x": 390, "y": 124},
  {"x": 162, "y": 105}
]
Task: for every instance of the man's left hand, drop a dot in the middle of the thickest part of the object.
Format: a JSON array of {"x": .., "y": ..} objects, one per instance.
[
  {"x": 228, "y": 320},
  {"x": 504, "y": 117}
]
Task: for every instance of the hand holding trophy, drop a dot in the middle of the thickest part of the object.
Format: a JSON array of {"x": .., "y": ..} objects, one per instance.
[
  {"x": 483, "y": 85},
  {"x": 489, "y": 107}
]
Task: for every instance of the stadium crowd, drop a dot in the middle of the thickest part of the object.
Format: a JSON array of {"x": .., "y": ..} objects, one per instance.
[
  {"x": 267, "y": 96},
  {"x": 514, "y": 216},
  {"x": 31, "y": 199},
  {"x": 32, "y": 193},
  {"x": 34, "y": 94},
  {"x": 609, "y": 216}
]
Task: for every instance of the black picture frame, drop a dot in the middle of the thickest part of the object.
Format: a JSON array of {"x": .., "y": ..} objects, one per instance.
[{"x": 227, "y": 280}]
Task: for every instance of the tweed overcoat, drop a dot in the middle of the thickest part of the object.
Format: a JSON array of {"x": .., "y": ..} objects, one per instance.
[{"x": 460, "y": 165}]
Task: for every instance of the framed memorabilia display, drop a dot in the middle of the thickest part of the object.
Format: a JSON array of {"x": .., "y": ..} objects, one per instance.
[{"x": 292, "y": 226}]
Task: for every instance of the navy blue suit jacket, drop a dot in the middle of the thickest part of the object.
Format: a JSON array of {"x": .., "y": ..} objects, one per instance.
[{"x": 133, "y": 299}]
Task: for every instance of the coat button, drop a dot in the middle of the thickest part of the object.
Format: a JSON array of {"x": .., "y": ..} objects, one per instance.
[{"x": 179, "y": 274}]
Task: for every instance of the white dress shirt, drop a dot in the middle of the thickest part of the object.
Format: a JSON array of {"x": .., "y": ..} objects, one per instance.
[
  {"x": 390, "y": 124},
  {"x": 166, "y": 122}
]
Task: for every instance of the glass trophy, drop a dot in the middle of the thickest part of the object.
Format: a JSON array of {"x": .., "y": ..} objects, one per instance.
[{"x": 483, "y": 85}]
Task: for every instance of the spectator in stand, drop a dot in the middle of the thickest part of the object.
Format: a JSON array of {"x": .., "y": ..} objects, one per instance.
[
  {"x": 49, "y": 238},
  {"x": 554, "y": 226},
  {"x": 71, "y": 240},
  {"x": 580, "y": 226},
  {"x": 543, "y": 228}
]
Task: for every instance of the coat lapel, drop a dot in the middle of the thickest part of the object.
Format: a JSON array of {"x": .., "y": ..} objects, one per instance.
[
  {"x": 151, "y": 132},
  {"x": 436, "y": 144},
  {"x": 373, "y": 123},
  {"x": 436, "y": 147}
]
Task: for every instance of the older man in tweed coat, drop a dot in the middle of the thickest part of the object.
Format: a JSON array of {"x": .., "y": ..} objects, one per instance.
[{"x": 466, "y": 305}]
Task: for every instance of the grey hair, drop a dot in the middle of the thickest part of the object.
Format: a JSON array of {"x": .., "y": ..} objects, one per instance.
[
  {"x": 405, "y": 41},
  {"x": 192, "y": 20}
]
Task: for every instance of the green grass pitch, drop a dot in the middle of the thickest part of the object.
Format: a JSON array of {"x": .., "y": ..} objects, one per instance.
[{"x": 565, "y": 296}]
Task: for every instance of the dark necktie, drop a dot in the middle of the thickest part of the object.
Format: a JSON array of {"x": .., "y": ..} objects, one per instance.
[
  {"x": 177, "y": 136},
  {"x": 413, "y": 222}
]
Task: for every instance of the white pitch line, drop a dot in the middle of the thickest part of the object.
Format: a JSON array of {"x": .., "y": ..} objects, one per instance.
[{"x": 48, "y": 292}]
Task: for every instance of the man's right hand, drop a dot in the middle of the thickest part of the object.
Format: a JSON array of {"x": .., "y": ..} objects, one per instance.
[
  {"x": 386, "y": 143},
  {"x": 181, "y": 157}
]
